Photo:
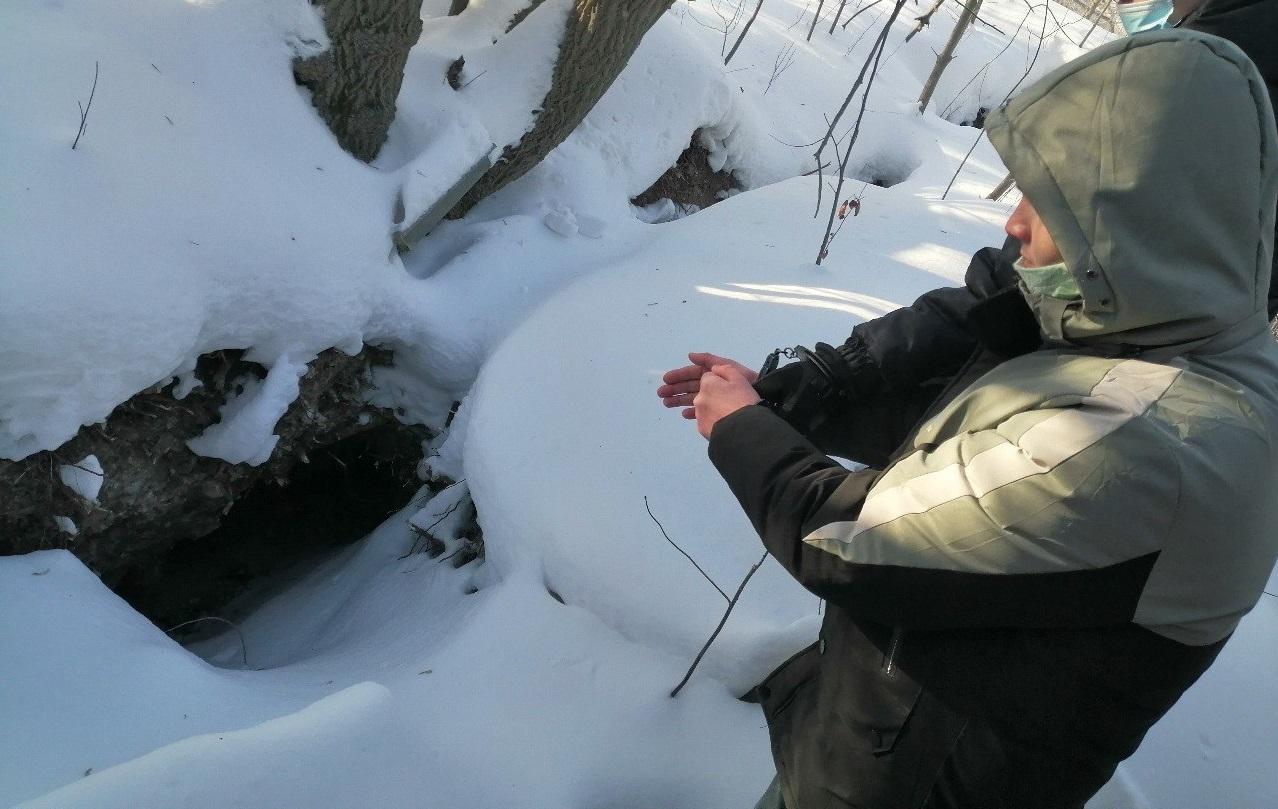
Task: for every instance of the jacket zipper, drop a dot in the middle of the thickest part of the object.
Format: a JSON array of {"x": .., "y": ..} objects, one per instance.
[{"x": 889, "y": 662}]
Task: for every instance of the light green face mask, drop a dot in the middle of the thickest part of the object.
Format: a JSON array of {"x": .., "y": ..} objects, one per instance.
[{"x": 1051, "y": 281}]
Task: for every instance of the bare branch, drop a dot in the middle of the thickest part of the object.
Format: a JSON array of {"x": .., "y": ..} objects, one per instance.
[
  {"x": 681, "y": 550},
  {"x": 731, "y": 603},
  {"x": 1029, "y": 69},
  {"x": 84, "y": 111},
  {"x": 876, "y": 53},
  {"x": 924, "y": 20},
  {"x": 815, "y": 18},
  {"x": 781, "y": 64},
  {"x": 240, "y": 632},
  {"x": 859, "y": 12}
]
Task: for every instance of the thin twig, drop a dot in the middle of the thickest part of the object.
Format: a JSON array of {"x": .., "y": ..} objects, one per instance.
[
  {"x": 240, "y": 632},
  {"x": 1024, "y": 76},
  {"x": 472, "y": 81},
  {"x": 681, "y": 550},
  {"x": 731, "y": 603},
  {"x": 876, "y": 51},
  {"x": 781, "y": 64},
  {"x": 84, "y": 110},
  {"x": 985, "y": 68}
]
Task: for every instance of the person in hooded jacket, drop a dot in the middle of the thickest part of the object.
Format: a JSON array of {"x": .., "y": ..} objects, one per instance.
[
  {"x": 892, "y": 368},
  {"x": 1046, "y": 562}
]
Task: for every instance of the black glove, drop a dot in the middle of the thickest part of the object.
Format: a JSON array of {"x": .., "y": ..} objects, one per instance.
[{"x": 804, "y": 392}]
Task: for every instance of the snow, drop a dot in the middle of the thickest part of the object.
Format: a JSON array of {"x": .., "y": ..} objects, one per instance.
[
  {"x": 65, "y": 524},
  {"x": 244, "y": 435},
  {"x": 207, "y": 208},
  {"x": 85, "y": 477}
]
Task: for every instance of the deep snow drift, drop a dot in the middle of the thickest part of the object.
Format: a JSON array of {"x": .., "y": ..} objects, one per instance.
[{"x": 207, "y": 207}]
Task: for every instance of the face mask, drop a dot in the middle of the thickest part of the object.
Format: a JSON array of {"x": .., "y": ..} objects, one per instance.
[
  {"x": 1052, "y": 281},
  {"x": 1147, "y": 15}
]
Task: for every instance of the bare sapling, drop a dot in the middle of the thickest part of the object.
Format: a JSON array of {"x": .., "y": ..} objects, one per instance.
[
  {"x": 947, "y": 53},
  {"x": 744, "y": 31},
  {"x": 732, "y": 600},
  {"x": 781, "y": 64},
  {"x": 731, "y": 603},
  {"x": 815, "y": 18},
  {"x": 84, "y": 109},
  {"x": 837, "y": 16},
  {"x": 870, "y": 67}
]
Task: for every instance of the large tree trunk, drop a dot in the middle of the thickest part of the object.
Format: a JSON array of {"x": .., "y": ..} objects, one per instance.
[
  {"x": 355, "y": 82},
  {"x": 601, "y": 36},
  {"x": 947, "y": 53}
]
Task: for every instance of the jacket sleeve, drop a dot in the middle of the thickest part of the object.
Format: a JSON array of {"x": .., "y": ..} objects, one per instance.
[
  {"x": 931, "y": 338},
  {"x": 991, "y": 528}
]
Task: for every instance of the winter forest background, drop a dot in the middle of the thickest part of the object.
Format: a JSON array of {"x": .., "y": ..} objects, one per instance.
[{"x": 331, "y": 473}]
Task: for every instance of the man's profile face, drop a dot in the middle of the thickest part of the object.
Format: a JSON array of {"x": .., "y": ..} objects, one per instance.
[{"x": 1038, "y": 248}]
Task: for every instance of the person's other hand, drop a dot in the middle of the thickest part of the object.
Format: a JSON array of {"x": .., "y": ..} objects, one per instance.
[
  {"x": 682, "y": 384},
  {"x": 724, "y": 391}
]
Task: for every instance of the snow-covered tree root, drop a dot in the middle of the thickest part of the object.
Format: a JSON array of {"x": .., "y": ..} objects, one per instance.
[{"x": 177, "y": 533}]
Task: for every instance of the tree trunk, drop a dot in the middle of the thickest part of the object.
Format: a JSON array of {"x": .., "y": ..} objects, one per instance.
[
  {"x": 837, "y": 16},
  {"x": 815, "y": 18},
  {"x": 457, "y": 7},
  {"x": 598, "y": 41},
  {"x": 1002, "y": 187},
  {"x": 354, "y": 83},
  {"x": 947, "y": 53},
  {"x": 744, "y": 31}
]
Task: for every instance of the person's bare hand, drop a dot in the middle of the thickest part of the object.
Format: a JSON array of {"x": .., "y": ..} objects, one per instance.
[
  {"x": 682, "y": 384},
  {"x": 724, "y": 391}
]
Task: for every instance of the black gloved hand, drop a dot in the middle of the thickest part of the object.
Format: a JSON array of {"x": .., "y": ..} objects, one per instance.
[{"x": 803, "y": 392}]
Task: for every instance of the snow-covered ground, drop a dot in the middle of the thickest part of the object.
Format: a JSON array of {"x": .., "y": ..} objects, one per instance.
[{"x": 207, "y": 207}]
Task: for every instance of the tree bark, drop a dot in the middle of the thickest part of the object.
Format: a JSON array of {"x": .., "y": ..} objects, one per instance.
[
  {"x": 599, "y": 39},
  {"x": 355, "y": 82},
  {"x": 1002, "y": 187},
  {"x": 947, "y": 53}
]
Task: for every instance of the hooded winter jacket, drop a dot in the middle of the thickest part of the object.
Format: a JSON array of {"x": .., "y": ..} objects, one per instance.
[
  {"x": 897, "y": 355},
  {"x": 1058, "y": 553}
]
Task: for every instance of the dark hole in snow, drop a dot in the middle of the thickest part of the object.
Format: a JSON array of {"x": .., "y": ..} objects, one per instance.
[
  {"x": 686, "y": 187},
  {"x": 886, "y": 169},
  {"x": 346, "y": 490}
]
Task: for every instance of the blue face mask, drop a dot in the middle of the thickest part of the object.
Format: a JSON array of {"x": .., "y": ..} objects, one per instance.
[{"x": 1146, "y": 15}]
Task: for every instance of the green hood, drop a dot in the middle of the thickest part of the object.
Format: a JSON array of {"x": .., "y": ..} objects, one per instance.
[{"x": 1152, "y": 161}]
